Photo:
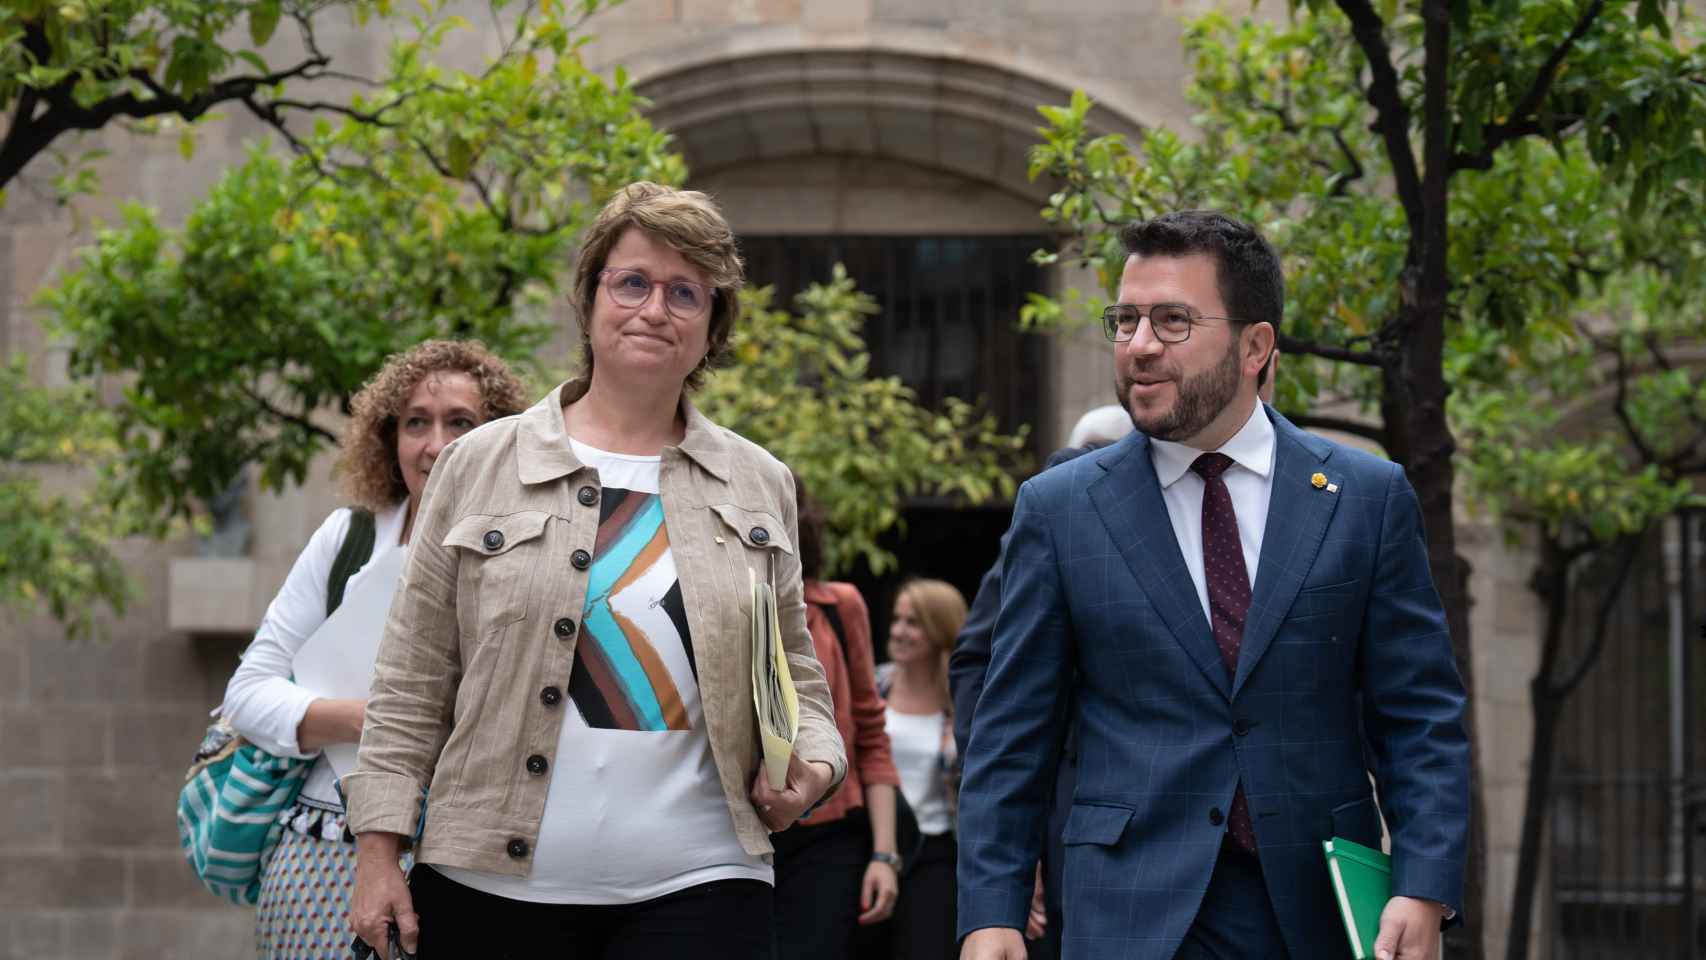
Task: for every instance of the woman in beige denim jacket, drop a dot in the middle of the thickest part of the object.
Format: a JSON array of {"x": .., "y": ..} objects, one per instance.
[{"x": 567, "y": 662}]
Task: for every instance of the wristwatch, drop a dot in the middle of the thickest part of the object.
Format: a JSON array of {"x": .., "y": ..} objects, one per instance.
[{"x": 892, "y": 859}]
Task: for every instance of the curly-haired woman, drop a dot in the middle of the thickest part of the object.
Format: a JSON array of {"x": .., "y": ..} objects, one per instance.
[{"x": 417, "y": 403}]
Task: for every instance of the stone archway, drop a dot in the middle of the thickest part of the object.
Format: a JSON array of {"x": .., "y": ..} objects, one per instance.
[{"x": 973, "y": 121}]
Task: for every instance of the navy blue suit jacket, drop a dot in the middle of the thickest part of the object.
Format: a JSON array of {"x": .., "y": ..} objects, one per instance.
[{"x": 1345, "y": 637}]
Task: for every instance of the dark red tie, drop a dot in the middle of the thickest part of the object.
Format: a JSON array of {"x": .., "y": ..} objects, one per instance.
[{"x": 1228, "y": 598}]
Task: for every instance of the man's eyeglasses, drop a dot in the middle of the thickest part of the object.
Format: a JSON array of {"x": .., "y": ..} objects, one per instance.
[
  {"x": 1171, "y": 322},
  {"x": 684, "y": 299}
]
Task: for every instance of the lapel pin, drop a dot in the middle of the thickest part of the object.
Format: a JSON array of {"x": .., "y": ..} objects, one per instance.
[
  {"x": 719, "y": 539},
  {"x": 1332, "y": 488},
  {"x": 1318, "y": 481}
]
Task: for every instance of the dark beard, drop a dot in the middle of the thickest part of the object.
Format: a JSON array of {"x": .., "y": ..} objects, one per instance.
[{"x": 1200, "y": 399}]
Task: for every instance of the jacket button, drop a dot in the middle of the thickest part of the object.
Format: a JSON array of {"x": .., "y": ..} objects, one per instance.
[
  {"x": 581, "y": 559},
  {"x": 565, "y": 627},
  {"x": 517, "y": 848},
  {"x": 587, "y": 496},
  {"x": 536, "y": 765},
  {"x": 1241, "y": 726},
  {"x": 1215, "y": 816},
  {"x": 550, "y": 696},
  {"x": 759, "y": 535},
  {"x": 493, "y": 540}
]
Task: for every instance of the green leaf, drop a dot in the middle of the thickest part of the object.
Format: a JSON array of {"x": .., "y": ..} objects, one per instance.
[
  {"x": 263, "y": 20},
  {"x": 460, "y": 157}
]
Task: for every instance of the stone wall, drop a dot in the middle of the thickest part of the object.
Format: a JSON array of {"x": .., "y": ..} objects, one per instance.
[{"x": 1505, "y": 623}]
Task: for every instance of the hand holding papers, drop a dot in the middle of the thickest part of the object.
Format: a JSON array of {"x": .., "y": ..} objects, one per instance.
[{"x": 773, "y": 693}]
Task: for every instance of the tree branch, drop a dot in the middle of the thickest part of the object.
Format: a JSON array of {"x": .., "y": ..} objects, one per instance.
[
  {"x": 1326, "y": 351},
  {"x": 1356, "y": 428},
  {"x": 31, "y": 135},
  {"x": 296, "y": 420},
  {"x": 1392, "y": 118},
  {"x": 1621, "y": 408},
  {"x": 1630, "y": 546},
  {"x": 1522, "y": 121},
  {"x": 505, "y": 221},
  {"x": 1342, "y": 181}
]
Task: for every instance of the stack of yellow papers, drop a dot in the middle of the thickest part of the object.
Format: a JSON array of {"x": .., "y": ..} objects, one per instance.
[{"x": 772, "y": 685}]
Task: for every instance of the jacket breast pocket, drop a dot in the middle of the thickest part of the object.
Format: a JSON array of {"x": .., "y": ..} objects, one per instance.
[
  {"x": 760, "y": 531},
  {"x": 1333, "y": 600},
  {"x": 498, "y": 558}
]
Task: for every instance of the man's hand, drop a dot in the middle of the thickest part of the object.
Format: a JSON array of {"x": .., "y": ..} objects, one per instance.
[
  {"x": 1409, "y": 930},
  {"x": 878, "y": 893},
  {"x": 1036, "y": 925},
  {"x": 807, "y": 781},
  {"x": 993, "y": 943},
  {"x": 382, "y": 895}
]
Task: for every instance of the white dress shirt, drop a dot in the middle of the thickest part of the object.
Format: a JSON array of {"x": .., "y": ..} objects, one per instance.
[{"x": 1250, "y": 481}]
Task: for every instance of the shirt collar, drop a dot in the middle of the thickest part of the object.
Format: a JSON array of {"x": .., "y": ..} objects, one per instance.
[
  {"x": 1252, "y": 448},
  {"x": 544, "y": 453}
]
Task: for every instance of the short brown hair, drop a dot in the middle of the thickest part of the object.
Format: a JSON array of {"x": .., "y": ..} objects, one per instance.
[
  {"x": 1247, "y": 269},
  {"x": 689, "y": 223},
  {"x": 368, "y": 464}
]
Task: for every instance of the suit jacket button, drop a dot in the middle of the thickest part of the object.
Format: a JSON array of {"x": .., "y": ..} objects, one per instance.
[
  {"x": 587, "y": 496},
  {"x": 517, "y": 848},
  {"x": 1241, "y": 726},
  {"x": 1215, "y": 816},
  {"x": 536, "y": 765},
  {"x": 581, "y": 559},
  {"x": 493, "y": 540},
  {"x": 759, "y": 535},
  {"x": 550, "y": 696},
  {"x": 564, "y": 628}
]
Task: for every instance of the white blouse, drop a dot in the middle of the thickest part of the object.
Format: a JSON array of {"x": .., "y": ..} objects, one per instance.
[
  {"x": 261, "y": 702},
  {"x": 920, "y": 750}
]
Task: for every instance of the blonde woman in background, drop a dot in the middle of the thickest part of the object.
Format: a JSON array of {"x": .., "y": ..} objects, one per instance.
[{"x": 920, "y": 724}]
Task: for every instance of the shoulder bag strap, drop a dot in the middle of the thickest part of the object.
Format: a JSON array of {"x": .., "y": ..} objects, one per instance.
[{"x": 357, "y": 548}]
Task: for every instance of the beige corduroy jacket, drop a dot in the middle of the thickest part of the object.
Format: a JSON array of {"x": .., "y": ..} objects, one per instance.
[{"x": 471, "y": 678}]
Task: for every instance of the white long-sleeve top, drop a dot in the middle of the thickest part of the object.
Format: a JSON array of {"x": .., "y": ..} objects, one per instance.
[{"x": 261, "y": 702}]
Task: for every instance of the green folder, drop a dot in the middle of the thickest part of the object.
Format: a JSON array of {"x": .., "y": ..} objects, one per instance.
[{"x": 1362, "y": 883}]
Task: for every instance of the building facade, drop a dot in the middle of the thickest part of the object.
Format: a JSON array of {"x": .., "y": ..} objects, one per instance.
[{"x": 887, "y": 134}]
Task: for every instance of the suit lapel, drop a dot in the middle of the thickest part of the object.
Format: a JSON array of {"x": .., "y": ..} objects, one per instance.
[
  {"x": 1298, "y": 513},
  {"x": 1128, "y": 498}
]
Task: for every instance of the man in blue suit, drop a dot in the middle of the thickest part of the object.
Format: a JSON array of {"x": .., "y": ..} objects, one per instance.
[{"x": 1231, "y": 607}]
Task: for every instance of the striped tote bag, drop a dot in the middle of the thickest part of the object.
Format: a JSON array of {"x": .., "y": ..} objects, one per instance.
[{"x": 229, "y": 811}]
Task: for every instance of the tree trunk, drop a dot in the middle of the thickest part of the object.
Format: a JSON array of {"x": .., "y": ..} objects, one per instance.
[
  {"x": 1549, "y": 584},
  {"x": 1430, "y": 470}
]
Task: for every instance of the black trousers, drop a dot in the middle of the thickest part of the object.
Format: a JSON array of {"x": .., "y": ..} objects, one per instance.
[
  {"x": 722, "y": 920},
  {"x": 922, "y": 927},
  {"x": 819, "y": 872}
]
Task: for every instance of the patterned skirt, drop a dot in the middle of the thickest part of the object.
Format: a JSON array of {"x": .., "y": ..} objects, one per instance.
[{"x": 303, "y": 913}]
